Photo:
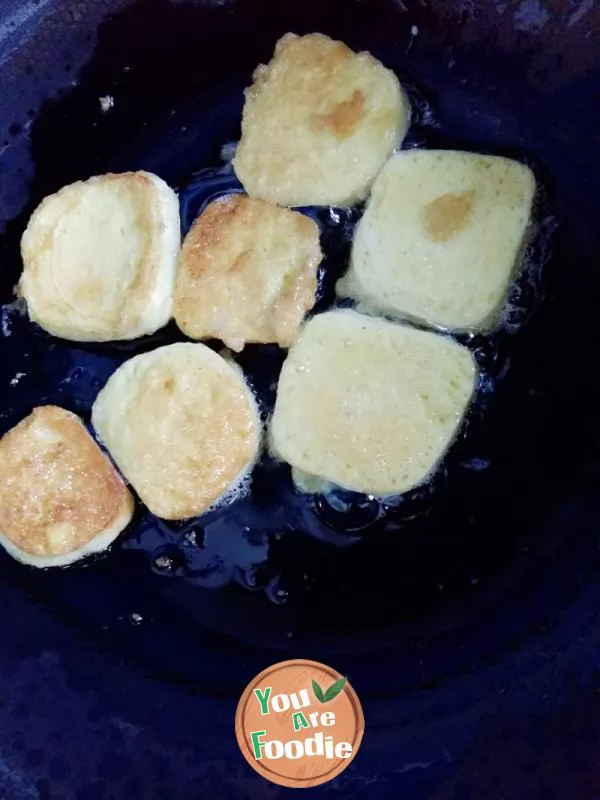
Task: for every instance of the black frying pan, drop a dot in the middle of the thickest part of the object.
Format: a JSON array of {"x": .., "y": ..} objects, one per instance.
[{"x": 475, "y": 597}]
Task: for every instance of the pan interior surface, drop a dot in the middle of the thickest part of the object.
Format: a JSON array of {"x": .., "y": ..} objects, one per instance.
[{"x": 501, "y": 536}]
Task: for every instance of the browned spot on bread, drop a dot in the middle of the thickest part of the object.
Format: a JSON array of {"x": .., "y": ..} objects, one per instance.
[
  {"x": 337, "y": 55},
  {"x": 215, "y": 218},
  {"x": 240, "y": 261},
  {"x": 345, "y": 116},
  {"x": 448, "y": 215}
]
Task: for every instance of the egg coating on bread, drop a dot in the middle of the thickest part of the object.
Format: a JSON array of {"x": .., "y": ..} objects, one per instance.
[
  {"x": 369, "y": 405},
  {"x": 60, "y": 497},
  {"x": 247, "y": 273},
  {"x": 99, "y": 258},
  {"x": 182, "y": 426},
  {"x": 319, "y": 122},
  {"x": 441, "y": 237}
]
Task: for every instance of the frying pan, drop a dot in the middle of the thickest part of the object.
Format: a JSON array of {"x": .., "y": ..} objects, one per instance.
[{"x": 466, "y": 617}]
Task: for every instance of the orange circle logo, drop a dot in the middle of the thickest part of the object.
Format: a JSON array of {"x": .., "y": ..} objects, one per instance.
[{"x": 299, "y": 723}]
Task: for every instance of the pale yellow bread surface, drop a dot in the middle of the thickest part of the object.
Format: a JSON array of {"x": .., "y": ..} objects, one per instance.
[
  {"x": 60, "y": 497},
  {"x": 319, "y": 122},
  {"x": 182, "y": 426},
  {"x": 247, "y": 273},
  {"x": 100, "y": 256},
  {"x": 441, "y": 237},
  {"x": 369, "y": 405}
]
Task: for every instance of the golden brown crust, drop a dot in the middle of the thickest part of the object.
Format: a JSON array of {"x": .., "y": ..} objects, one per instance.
[
  {"x": 247, "y": 273},
  {"x": 99, "y": 258},
  {"x": 182, "y": 426},
  {"x": 319, "y": 122},
  {"x": 58, "y": 491},
  {"x": 367, "y": 404},
  {"x": 442, "y": 238}
]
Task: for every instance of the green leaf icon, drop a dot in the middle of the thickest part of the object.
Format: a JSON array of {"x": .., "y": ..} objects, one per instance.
[
  {"x": 318, "y": 692},
  {"x": 334, "y": 690}
]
